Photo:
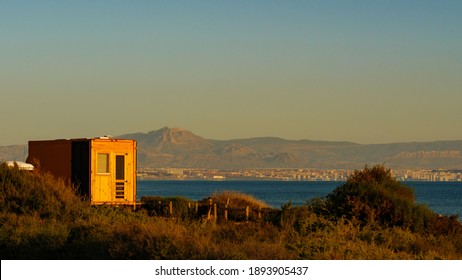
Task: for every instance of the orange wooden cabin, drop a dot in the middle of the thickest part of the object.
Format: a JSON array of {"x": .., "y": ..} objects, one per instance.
[{"x": 103, "y": 169}]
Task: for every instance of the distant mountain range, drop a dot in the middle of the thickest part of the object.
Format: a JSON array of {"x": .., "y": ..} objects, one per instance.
[
  {"x": 177, "y": 147},
  {"x": 13, "y": 152}
]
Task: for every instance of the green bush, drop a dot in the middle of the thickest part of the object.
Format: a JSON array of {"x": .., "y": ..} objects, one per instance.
[
  {"x": 303, "y": 220},
  {"x": 373, "y": 195}
]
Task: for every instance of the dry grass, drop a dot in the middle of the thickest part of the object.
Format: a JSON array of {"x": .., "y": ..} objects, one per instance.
[
  {"x": 42, "y": 218},
  {"x": 238, "y": 200}
]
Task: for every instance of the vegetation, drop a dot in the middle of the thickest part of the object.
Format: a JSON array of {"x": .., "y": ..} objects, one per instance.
[
  {"x": 370, "y": 217},
  {"x": 160, "y": 206},
  {"x": 237, "y": 199}
]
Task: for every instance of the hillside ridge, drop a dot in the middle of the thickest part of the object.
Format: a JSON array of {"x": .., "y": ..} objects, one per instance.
[{"x": 179, "y": 147}]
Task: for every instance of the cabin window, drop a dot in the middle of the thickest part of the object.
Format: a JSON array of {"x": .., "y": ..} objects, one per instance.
[
  {"x": 103, "y": 163},
  {"x": 120, "y": 167}
]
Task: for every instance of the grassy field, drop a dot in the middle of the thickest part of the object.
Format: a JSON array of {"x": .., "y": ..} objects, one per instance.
[{"x": 371, "y": 216}]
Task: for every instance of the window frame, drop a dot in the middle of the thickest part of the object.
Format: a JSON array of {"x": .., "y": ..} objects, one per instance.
[{"x": 98, "y": 166}]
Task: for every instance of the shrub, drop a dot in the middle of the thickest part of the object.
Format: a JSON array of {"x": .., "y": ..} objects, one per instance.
[
  {"x": 42, "y": 218},
  {"x": 25, "y": 192},
  {"x": 183, "y": 208},
  {"x": 31, "y": 237},
  {"x": 238, "y": 200},
  {"x": 237, "y": 203},
  {"x": 303, "y": 220},
  {"x": 373, "y": 195}
]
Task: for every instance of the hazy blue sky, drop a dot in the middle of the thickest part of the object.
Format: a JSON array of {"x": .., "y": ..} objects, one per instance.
[{"x": 364, "y": 71}]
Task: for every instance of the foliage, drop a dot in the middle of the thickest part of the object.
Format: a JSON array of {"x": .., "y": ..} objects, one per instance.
[
  {"x": 183, "y": 208},
  {"x": 237, "y": 203},
  {"x": 42, "y": 218},
  {"x": 24, "y": 192},
  {"x": 237, "y": 200},
  {"x": 373, "y": 195}
]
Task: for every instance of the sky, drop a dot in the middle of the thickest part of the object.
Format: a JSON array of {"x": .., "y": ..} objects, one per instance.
[{"x": 363, "y": 71}]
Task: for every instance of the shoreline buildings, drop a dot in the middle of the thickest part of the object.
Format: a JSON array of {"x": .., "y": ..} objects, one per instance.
[{"x": 289, "y": 174}]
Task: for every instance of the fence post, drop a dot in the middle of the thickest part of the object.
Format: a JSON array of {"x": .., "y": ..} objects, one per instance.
[
  {"x": 170, "y": 206},
  {"x": 210, "y": 209},
  {"x": 226, "y": 212},
  {"x": 215, "y": 212},
  {"x": 247, "y": 212}
]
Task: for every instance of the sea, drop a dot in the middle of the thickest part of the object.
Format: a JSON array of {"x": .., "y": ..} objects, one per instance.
[{"x": 442, "y": 197}]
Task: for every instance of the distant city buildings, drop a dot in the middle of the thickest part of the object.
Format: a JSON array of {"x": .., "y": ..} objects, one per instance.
[
  {"x": 429, "y": 175},
  {"x": 290, "y": 174}
]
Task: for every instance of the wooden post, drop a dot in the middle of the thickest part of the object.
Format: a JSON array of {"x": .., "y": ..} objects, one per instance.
[
  {"x": 247, "y": 212},
  {"x": 226, "y": 212},
  {"x": 259, "y": 213},
  {"x": 197, "y": 209},
  {"x": 215, "y": 212},
  {"x": 170, "y": 208},
  {"x": 210, "y": 209}
]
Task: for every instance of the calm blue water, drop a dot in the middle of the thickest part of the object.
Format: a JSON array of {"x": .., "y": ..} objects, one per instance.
[{"x": 442, "y": 197}]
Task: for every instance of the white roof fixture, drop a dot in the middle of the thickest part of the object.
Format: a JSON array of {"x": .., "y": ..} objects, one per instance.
[{"x": 21, "y": 165}]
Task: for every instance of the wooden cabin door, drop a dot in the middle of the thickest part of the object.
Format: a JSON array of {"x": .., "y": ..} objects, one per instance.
[{"x": 102, "y": 180}]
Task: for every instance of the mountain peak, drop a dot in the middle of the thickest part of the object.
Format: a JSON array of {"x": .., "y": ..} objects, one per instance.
[
  {"x": 167, "y": 137},
  {"x": 166, "y": 128},
  {"x": 179, "y": 136},
  {"x": 178, "y": 147}
]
